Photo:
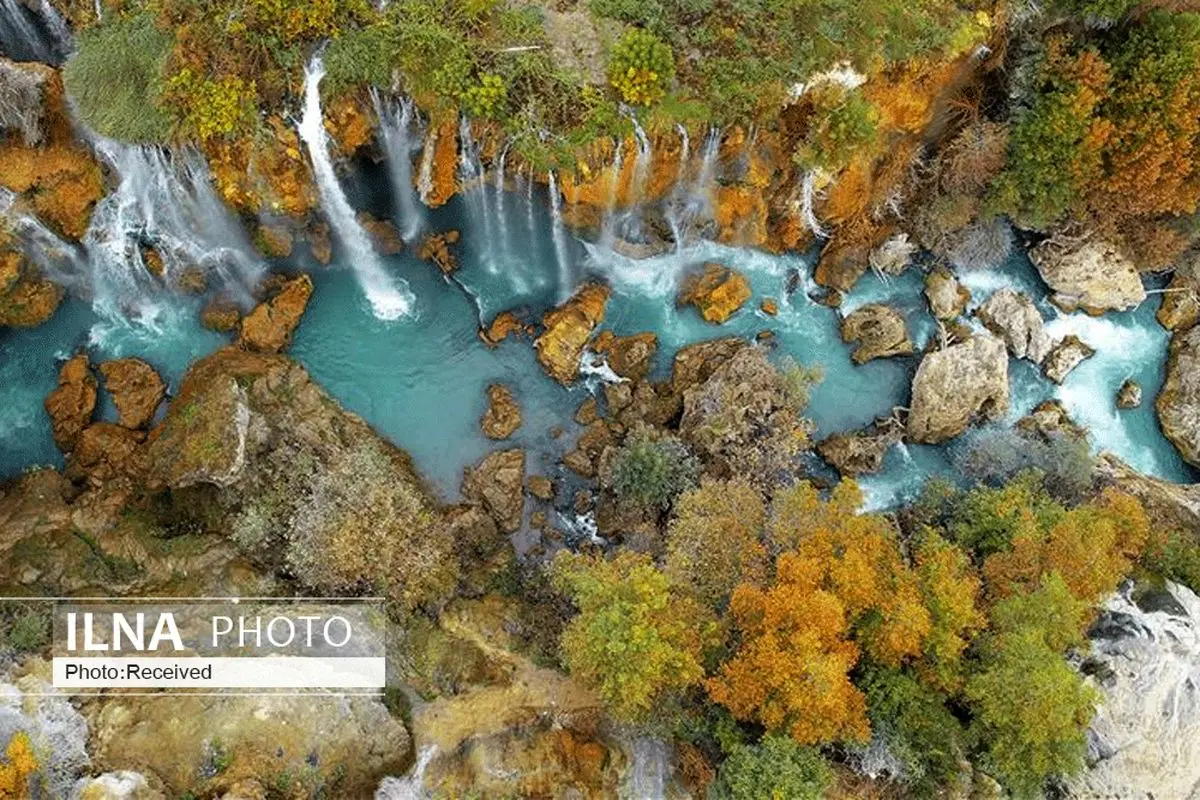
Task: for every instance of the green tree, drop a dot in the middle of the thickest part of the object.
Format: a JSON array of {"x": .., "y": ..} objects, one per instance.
[
  {"x": 633, "y": 640},
  {"x": 649, "y": 470},
  {"x": 641, "y": 67},
  {"x": 777, "y": 768}
]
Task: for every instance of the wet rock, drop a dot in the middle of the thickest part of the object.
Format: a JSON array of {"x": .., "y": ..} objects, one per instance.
[
  {"x": 880, "y": 332},
  {"x": 769, "y": 306},
  {"x": 503, "y": 415},
  {"x": 320, "y": 243},
  {"x": 587, "y": 413},
  {"x": 947, "y": 297},
  {"x": 1066, "y": 355},
  {"x": 436, "y": 248},
  {"x": 695, "y": 363},
  {"x": 1013, "y": 317},
  {"x": 383, "y": 234},
  {"x": 860, "y": 452},
  {"x": 193, "y": 280},
  {"x": 956, "y": 386},
  {"x": 136, "y": 389},
  {"x": 717, "y": 292},
  {"x": 268, "y": 328},
  {"x": 497, "y": 483},
  {"x": 568, "y": 329},
  {"x": 26, "y": 298},
  {"x": 153, "y": 261},
  {"x": 1178, "y": 403},
  {"x": 220, "y": 315},
  {"x": 844, "y": 260},
  {"x": 1180, "y": 307},
  {"x": 72, "y": 404},
  {"x": 1049, "y": 420},
  {"x": 505, "y": 324},
  {"x": 105, "y": 451},
  {"x": 274, "y": 241},
  {"x": 628, "y": 356},
  {"x": 893, "y": 256},
  {"x": 540, "y": 487},
  {"x": 1129, "y": 395},
  {"x": 579, "y": 462},
  {"x": 1170, "y": 506},
  {"x": 1091, "y": 276}
]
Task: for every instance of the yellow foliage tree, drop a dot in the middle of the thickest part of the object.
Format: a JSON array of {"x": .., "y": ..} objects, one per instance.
[
  {"x": 19, "y": 764},
  {"x": 950, "y": 588}
]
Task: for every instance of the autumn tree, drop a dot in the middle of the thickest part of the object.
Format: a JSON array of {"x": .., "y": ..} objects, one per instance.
[
  {"x": 633, "y": 640},
  {"x": 860, "y": 563},
  {"x": 791, "y": 670},
  {"x": 950, "y": 589},
  {"x": 776, "y": 767},
  {"x": 715, "y": 540}
]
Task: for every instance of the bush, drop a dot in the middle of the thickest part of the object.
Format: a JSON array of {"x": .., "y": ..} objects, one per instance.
[
  {"x": 1175, "y": 557},
  {"x": 650, "y": 472},
  {"x": 995, "y": 457},
  {"x": 640, "y": 67},
  {"x": 115, "y": 79},
  {"x": 843, "y": 122},
  {"x": 209, "y": 107},
  {"x": 360, "y": 57},
  {"x": 486, "y": 98},
  {"x": 776, "y": 767}
]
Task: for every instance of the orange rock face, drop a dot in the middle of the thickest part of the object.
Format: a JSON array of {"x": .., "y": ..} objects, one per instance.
[
  {"x": 349, "y": 124},
  {"x": 436, "y": 248},
  {"x": 717, "y": 292},
  {"x": 568, "y": 329},
  {"x": 26, "y": 299},
  {"x": 268, "y": 328},
  {"x": 72, "y": 404},
  {"x": 444, "y": 173},
  {"x": 136, "y": 389},
  {"x": 504, "y": 325},
  {"x": 263, "y": 173},
  {"x": 58, "y": 176}
]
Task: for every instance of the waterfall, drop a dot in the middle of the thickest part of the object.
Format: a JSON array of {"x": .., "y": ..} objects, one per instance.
[
  {"x": 641, "y": 165},
  {"x": 614, "y": 186},
  {"x": 33, "y": 34},
  {"x": 500, "y": 218},
  {"x": 164, "y": 201},
  {"x": 387, "y": 300},
  {"x": 59, "y": 260},
  {"x": 425, "y": 177},
  {"x": 694, "y": 200},
  {"x": 411, "y": 787},
  {"x": 1145, "y": 738},
  {"x": 807, "y": 197},
  {"x": 473, "y": 179},
  {"x": 678, "y": 194},
  {"x": 529, "y": 221},
  {"x": 565, "y": 281},
  {"x": 648, "y": 769},
  {"x": 396, "y": 123}
]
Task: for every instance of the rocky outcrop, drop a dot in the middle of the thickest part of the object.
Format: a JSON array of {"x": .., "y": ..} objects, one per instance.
[
  {"x": 502, "y": 416},
  {"x": 956, "y": 386},
  {"x": 268, "y": 328},
  {"x": 265, "y": 174},
  {"x": 1091, "y": 276},
  {"x": 1180, "y": 307},
  {"x": 1170, "y": 506},
  {"x": 695, "y": 363},
  {"x": 26, "y": 298},
  {"x": 1066, "y": 355},
  {"x": 540, "y": 487},
  {"x": 504, "y": 325},
  {"x": 567, "y": 330},
  {"x": 497, "y": 484},
  {"x": 72, "y": 404},
  {"x": 769, "y": 306},
  {"x": 716, "y": 292},
  {"x": 878, "y": 330},
  {"x": 1013, "y": 317},
  {"x": 105, "y": 451},
  {"x": 136, "y": 390},
  {"x": 1178, "y": 403},
  {"x": 221, "y": 315},
  {"x": 946, "y": 296},
  {"x": 1129, "y": 395},
  {"x": 383, "y": 234},
  {"x": 630, "y": 357},
  {"x": 860, "y": 452},
  {"x": 436, "y": 248}
]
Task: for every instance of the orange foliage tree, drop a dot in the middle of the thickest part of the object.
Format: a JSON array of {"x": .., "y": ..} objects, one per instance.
[{"x": 18, "y": 765}]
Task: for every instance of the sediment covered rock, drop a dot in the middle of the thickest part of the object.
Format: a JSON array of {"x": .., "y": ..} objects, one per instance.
[
  {"x": 1091, "y": 276},
  {"x": 860, "y": 452},
  {"x": 502, "y": 416},
  {"x": 878, "y": 330},
  {"x": 568, "y": 329},
  {"x": 268, "y": 328},
  {"x": 136, "y": 389},
  {"x": 716, "y": 292},
  {"x": 628, "y": 356},
  {"x": 1065, "y": 356},
  {"x": 947, "y": 297},
  {"x": 1178, "y": 403},
  {"x": 72, "y": 403},
  {"x": 497, "y": 484},
  {"x": 956, "y": 386},
  {"x": 1013, "y": 317}
]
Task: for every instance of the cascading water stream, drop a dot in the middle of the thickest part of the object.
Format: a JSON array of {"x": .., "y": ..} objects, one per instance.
[
  {"x": 562, "y": 257},
  {"x": 396, "y": 121},
  {"x": 614, "y": 186},
  {"x": 425, "y": 176},
  {"x": 58, "y": 259},
  {"x": 678, "y": 194},
  {"x": 388, "y": 300},
  {"x": 33, "y": 34},
  {"x": 412, "y": 786},
  {"x": 501, "y": 219},
  {"x": 695, "y": 200},
  {"x": 529, "y": 220},
  {"x": 473, "y": 178}
]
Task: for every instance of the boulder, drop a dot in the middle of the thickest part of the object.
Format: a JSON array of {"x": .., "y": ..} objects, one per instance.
[
  {"x": 769, "y": 306},
  {"x": 383, "y": 234},
  {"x": 1091, "y": 276},
  {"x": 860, "y": 452},
  {"x": 541, "y": 487},
  {"x": 320, "y": 243},
  {"x": 221, "y": 315},
  {"x": 628, "y": 356},
  {"x": 587, "y": 413},
  {"x": 1129, "y": 395},
  {"x": 1013, "y": 317},
  {"x": 136, "y": 390},
  {"x": 497, "y": 483},
  {"x": 503, "y": 415},
  {"x": 716, "y": 292},
  {"x": 436, "y": 248},
  {"x": 956, "y": 386},
  {"x": 268, "y": 328},
  {"x": 578, "y": 461},
  {"x": 1180, "y": 307},
  {"x": 947, "y": 297},
  {"x": 1178, "y": 403},
  {"x": 72, "y": 403},
  {"x": 568, "y": 329},
  {"x": 505, "y": 324},
  {"x": 105, "y": 451},
  {"x": 1066, "y": 355},
  {"x": 274, "y": 240},
  {"x": 878, "y": 330}
]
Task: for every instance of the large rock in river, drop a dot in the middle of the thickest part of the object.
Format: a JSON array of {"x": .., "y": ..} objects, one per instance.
[
  {"x": 956, "y": 386},
  {"x": 1178, "y": 403},
  {"x": 72, "y": 404},
  {"x": 269, "y": 326},
  {"x": 1092, "y": 276},
  {"x": 136, "y": 389},
  {"x": 502, "y": 416},
  {"x": 716, "y": 292},
  {"x": 1068, "y": 354},
  {"x": 947, "y": 297},
  {"x": 879, "y": 331},
  {"x": 498, "y": 484},
  {"x": 568, "y": 329},
  {"x": 1013, "y": 317}
]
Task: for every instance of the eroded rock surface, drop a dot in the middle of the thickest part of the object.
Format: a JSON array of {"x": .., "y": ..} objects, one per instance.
[
  {"x": 1178, "y": 403},
  {"x": 1067, "y": 354},
  {"x": 956, "y": 386},
  {"x": 628, "y": 356},
  {"x": 568, "y": 329},
  {"x": 947, "y": 297},
  {"x": 878, "y": 330},
  {"x": 860, "y": 452},
  {"x": 269, "y": 326},
  {"x": 1013, "y": 317},
  {"x": 497, "y": 484},
  {"x": 72, "y": 404},
  {"x": 502, "y": 416},
  {"x": 1092, "y": 276},
  {"x": 717, "y": 292},
  {"x": 136, "y": 388}
]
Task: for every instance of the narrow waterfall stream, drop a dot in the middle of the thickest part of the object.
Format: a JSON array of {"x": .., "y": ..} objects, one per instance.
[{"x": 396, "y": 123}]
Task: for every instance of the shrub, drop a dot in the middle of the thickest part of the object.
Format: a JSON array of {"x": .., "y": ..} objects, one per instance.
[
  {"x": 486, "y": 98},
  {"x": 775, "y": 767},
  {"x": 115, "y": 79},
  {"x": 843, "y": 123},
  {"x": 651, "y": 471},
  {"x": 996, "y": 456},
  {"x": 209, "y": 107},
  {"x": 360, "y": 57},
  {"x": 1175, "y": 556},
  {"x": 641, "y": 67}
]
